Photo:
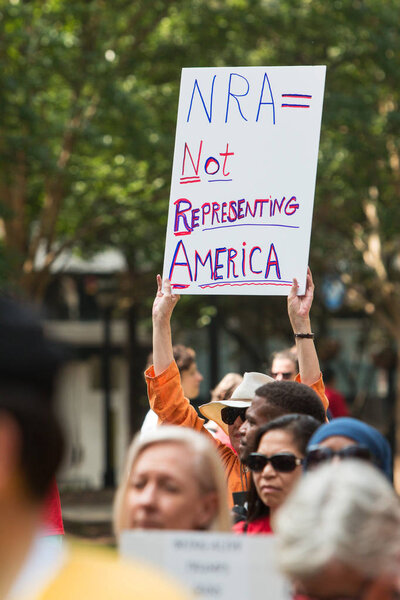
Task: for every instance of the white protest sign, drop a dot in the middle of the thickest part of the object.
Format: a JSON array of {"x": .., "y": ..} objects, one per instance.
[
  {"x": 243, "y": 179},
  {"x": 221, "y": 566}
]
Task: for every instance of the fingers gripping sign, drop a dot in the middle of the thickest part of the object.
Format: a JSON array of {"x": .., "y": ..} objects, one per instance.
[
  {"x": 299, "y": 314},
  {"x": 165, "y": 301},
  {"x": 299, "y": 306},
  {"x": 163, "y": 306}
]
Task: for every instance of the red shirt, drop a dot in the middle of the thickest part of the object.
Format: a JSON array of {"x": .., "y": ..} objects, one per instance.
[
  {"x": 52, "y": 519},
  {"x": 260, "y": 525},
  {"x": 337, "y": 403}
]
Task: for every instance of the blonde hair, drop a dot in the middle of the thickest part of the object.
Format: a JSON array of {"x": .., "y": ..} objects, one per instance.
[{"x": 206, "y": 466}]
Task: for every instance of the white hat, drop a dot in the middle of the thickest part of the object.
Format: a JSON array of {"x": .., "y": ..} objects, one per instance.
[{"x": 241, "y": 397}]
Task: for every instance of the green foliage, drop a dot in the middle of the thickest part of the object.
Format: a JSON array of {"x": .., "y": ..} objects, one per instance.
[{"x": 89, "y": 93}]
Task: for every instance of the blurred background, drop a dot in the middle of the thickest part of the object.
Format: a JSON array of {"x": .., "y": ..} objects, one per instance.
[{"x": 88, "y": 97}]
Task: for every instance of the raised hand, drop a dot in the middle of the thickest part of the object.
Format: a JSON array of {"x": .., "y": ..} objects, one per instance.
[
  {"x": 164, "y": 302},
  {"x": 299, "y": 306},
  {"x": 299, "y": 315}
]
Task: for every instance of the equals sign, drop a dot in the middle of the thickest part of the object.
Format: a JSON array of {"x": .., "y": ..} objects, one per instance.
[{"x": 293, "y": 100}]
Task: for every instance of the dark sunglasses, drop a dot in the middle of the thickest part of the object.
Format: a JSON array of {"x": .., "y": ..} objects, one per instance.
[
  {"x": 318, "y": 454},
  {"x": 229, "y": 414},
  {"x": 285, "y": 462},
  {"x": 284, "y": 375}
]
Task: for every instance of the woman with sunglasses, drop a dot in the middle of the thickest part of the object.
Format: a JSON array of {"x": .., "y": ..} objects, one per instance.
[
  {"x": 349, "y": 438},
  {"x": 276, "y": 466}
]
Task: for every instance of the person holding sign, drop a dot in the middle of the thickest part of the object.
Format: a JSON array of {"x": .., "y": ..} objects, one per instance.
[
  {"x": 173, "y": 479},
  {"x": 168, "y": 401},
  {"x": 276, "y": 466}
]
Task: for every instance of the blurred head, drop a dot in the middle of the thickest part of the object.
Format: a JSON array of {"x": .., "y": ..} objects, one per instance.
[
  {"x": 275, "y": 400},
  {"x": 31, "y": 442},
  {"x": 345, "y": 438},
  {"x": 173, "y": 480},
  {"x": 226, "y": 387},
  {"x": 338, "y": 533},
  {"x": 276, "y": 464},
  {"x": 284, "y": 366},
  {"x": 191, "y": 377}
]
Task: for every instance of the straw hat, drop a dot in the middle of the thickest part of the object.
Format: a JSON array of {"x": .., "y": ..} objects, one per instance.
[{"x": 241, "y": 397}]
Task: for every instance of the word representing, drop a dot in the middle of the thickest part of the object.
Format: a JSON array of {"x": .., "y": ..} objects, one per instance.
[{"x": 213, "y": 214}]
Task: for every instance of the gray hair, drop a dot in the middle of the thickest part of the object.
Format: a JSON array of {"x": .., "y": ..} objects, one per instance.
[
  {"x": 346, "y": 512},
  {"x": 207, "y": 468}
]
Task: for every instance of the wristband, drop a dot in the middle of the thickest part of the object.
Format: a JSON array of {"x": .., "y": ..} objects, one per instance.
[{"x": 307, "y": 336}]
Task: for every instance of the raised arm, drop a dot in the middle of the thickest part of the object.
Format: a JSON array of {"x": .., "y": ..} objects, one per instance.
[
  {"x": 299, "y": 315},
  {"x": 164, "y": 385},
  {"x": 163, "y": 306}
]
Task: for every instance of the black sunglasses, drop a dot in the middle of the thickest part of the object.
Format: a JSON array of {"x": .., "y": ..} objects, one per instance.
[
  {"x": 285, "y": 462},
  {"x": 318, "y": 454},
  {"x": 229, "y": 414}
]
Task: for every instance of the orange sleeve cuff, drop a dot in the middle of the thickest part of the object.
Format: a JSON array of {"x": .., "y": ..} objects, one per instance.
[
  {"x": 167, "y": 400},
  {"x": 319, "y": 388}
]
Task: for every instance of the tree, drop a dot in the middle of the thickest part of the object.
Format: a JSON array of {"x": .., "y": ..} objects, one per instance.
[
  {"x": 357, "y": 201},
  {"x": 89, "y": 94}
]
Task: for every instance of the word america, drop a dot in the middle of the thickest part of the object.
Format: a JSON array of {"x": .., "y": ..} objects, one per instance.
[
  {"x": 213, "y": 214},
  {"x": 223, "y": 263}
]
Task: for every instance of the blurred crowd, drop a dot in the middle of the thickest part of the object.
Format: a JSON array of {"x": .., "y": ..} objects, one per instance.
[{"x": 271, "y": 455}]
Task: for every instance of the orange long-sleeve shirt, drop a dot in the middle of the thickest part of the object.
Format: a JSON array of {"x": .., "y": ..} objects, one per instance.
[{"x": 169, "y": 403}]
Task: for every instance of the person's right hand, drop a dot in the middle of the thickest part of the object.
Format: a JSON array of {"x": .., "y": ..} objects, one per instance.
[
  {"x": 164, "y": 302},
  {"x": 299, "y": 306}
]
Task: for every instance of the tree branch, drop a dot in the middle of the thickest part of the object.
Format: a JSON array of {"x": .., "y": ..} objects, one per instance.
[
  {"x": 53, "y": 253},
  {"x": 373, "y": 253}
]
